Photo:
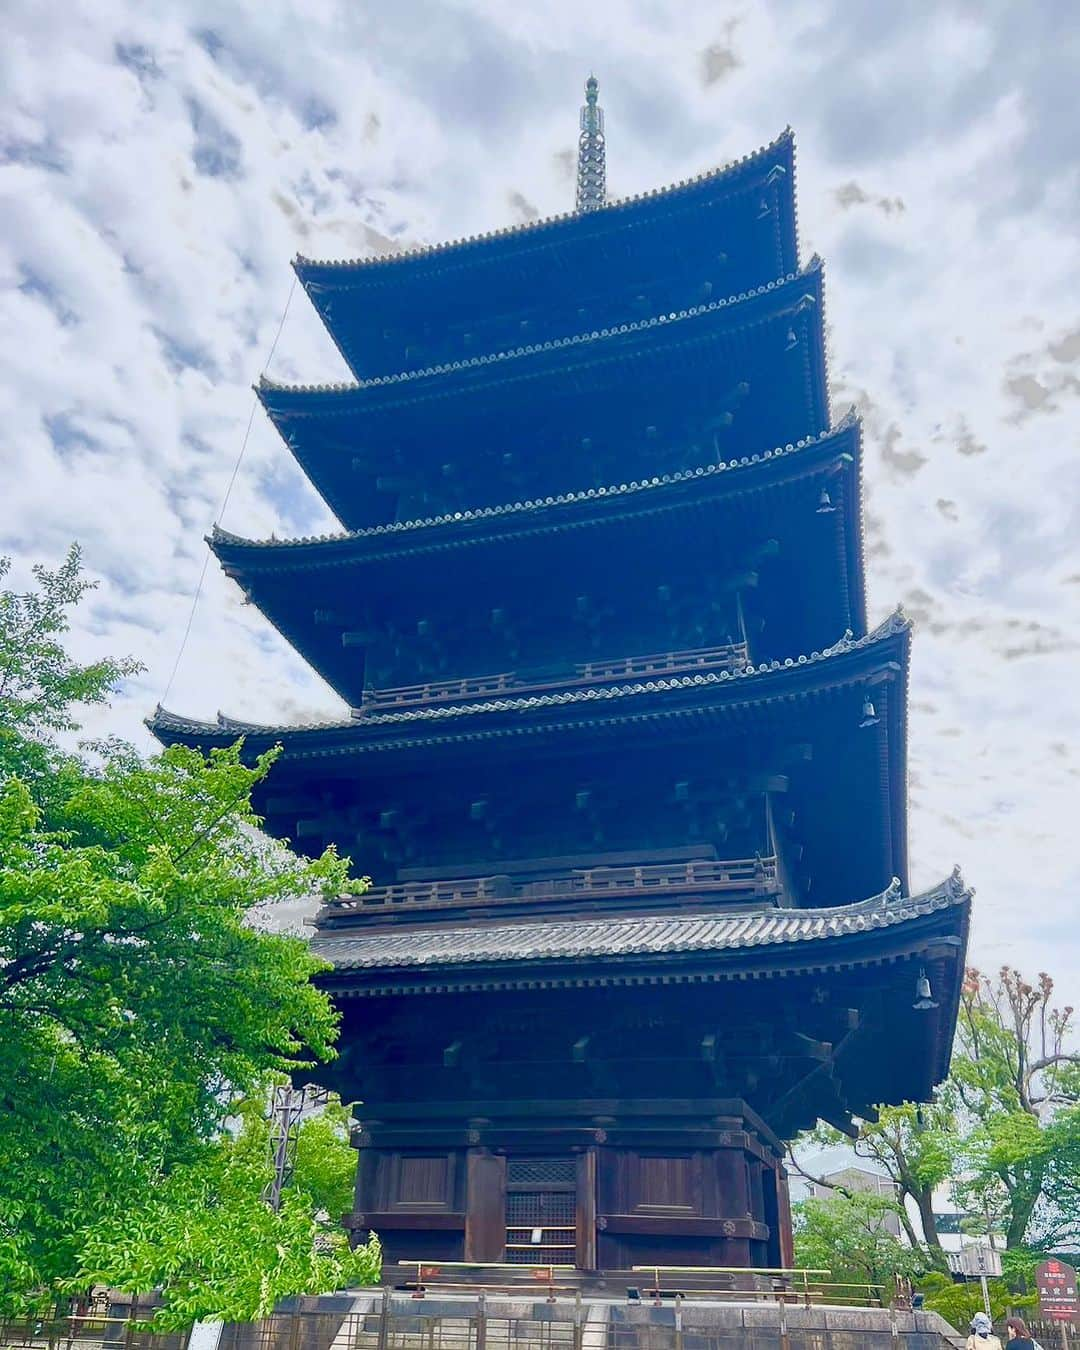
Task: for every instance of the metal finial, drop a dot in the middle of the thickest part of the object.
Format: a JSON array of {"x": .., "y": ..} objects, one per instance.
[{"x": 591, "y": 175}]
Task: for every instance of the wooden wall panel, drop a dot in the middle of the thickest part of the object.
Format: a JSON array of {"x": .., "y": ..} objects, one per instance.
[
  {"x": 655, "y": 1183},
  {"x": 418, "y": 1182},
  {"x": 423, "y": 1182}
]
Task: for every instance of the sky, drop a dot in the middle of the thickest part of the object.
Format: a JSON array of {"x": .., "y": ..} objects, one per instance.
[{"x": 161, "y": 164}]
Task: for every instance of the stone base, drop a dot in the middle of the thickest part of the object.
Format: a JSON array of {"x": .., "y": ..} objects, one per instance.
[{"x": 375, "y": 1319}]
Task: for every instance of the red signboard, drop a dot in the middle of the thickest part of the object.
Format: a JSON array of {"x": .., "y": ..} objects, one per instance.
[{"x": 1056, "y": 1283}]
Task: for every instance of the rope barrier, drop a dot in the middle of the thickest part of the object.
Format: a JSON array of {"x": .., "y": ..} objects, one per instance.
[{"x": 225, "y": 500}]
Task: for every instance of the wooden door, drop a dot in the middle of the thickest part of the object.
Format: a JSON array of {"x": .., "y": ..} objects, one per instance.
[{"x": 541, "y": 1211}]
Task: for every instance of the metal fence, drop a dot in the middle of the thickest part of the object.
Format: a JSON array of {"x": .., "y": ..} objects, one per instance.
[
  {"x": 526, "y": 1320},
  {"x": 518, "y": 1320},
  {"x": 97, "y": 1329}
]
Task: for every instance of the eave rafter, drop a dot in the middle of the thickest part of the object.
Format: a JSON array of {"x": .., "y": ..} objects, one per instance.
[
  {"x": 793, "y": 294},
  {"x": 391, "y": 269},
  {"x": 774, "y": 677},
  {"x": 831, "y": 451}
]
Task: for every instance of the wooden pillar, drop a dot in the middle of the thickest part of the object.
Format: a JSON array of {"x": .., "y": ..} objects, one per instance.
[
  {"x": 485, "y": 1205},
  {"x": 757, "y": 1190},
  {"x": 787, "y": 1241},
  {"x": 585, "y": 1253},
  {"x": 770, "y": 1177},
  {"x": 733, "y": 1176}
]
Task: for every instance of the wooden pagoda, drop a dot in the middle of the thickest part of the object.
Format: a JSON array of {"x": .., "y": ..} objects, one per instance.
[{"x": 624, "y": 763}]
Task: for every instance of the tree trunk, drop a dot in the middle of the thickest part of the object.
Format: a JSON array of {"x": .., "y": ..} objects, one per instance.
[
  {"x": 925, "y": 1201},
  {"x": 1023, "y": 1196}
]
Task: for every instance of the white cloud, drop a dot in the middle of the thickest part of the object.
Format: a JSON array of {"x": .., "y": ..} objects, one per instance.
[{"x": 162, "y": 163}]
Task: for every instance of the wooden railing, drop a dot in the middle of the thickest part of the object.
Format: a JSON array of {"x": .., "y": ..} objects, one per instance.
[
  {"x": 658, "y": 1285},
  {"x": 437, "y": 691},
  {"x": 702, "y": 876},
  {"x": 703, "y": 658},
  {"x": 729, "y": 657}
]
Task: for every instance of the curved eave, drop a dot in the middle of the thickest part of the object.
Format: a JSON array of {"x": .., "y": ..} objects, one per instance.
[
  {"x": 772, "y": 302},
  {"x": 871, "y": 951},
  {"x": 853, "y": 847},
  {"x": 462, "y": 529},
  {"x": 767, "y": 496},
  {"x": 413, "y": 265},
  {"x": 670, "y": 947},
  {"x": 850, "y": 661}
]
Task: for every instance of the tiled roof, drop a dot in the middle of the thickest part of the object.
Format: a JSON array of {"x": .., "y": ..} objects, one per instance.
[
  {"x": 570, "y": 939},
  {"x": 163, "y": 720},
  {"x": 602, "y": 494},
  {"x": 530, "y": 228},
  {"x": 812, "y": 274}
]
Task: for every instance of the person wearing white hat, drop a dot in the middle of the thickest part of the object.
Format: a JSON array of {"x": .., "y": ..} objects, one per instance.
[{"x": 982, "y": 1334}]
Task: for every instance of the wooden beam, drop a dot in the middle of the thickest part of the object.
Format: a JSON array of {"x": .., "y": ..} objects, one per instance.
[
  {"x": 843, "y": 1123},
  {"x": 436, "y": 1221}
]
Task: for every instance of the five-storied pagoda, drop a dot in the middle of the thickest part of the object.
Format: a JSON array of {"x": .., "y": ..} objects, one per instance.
[{"x": 624, "y": 763}]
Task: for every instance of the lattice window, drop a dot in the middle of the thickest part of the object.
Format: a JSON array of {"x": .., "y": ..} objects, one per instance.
[
  {"x": 541, "y": 1172},
  {"x": 541, "y": 1202},
  {"x": 540, "y": 1209},
  {"x": 542, "y": 1256}
]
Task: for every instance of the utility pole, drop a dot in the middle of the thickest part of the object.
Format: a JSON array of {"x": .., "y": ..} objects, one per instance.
[{"x": 287, "y": 1106}]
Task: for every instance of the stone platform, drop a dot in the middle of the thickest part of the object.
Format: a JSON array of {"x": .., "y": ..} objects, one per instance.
[{"x": 387, "y": 1319}]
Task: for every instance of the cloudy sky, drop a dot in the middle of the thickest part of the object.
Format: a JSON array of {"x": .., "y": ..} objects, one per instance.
[{"x": 160, "y": 164}]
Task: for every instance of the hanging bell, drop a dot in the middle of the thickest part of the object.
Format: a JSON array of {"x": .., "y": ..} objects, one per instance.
[
  {"x": 869, "y": 714},
  {"x": 924, "y": 996},
  {"x": 825, "y": 503},
  {"x": 763, "y": 209},
  {"x": 792, "y": 340}
]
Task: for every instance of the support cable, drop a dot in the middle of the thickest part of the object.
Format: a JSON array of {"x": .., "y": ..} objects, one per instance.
[{"x": 225, "y": 500}]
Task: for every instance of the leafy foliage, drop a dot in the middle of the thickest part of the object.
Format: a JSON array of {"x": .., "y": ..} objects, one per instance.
[
  {"x": 1004, "y": 1128},
  {"x": 848, "y": 1234},
  {"x": 958, "y": 1303},
  {"x": 326, "y": 1161},
  {"x": 137, "y": 1005},
  {"x": 219, "y": 1253},
  {"x": 1018, "y": 1090},
  {"x": 916, "y": 1147},
  {"x": 39, "y": 682}
]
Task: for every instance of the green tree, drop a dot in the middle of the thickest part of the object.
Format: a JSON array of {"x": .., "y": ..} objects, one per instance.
[
  {"x": 218, "y": 1252},
  {"x": 849, "y": 1234},
  {"x": 916, "y": 1147},
  {"x": 958, "y": 1303},
  {"x": 137, "y": 1005},
  {"x": 1018, "y": 1086},
  {"x": 1003, "y": 1130},
  {"x": 326, "y": 1161}
]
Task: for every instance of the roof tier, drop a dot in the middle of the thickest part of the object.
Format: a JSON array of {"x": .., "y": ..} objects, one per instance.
[
  {"x": 723, "y": 232},
  {"x": 822, "y": 1005},
  {"x": 845, "y": 706},
  {"x": 671, "y": 392},
  {"x": 408, "y": 959},
  {"x": 615, "y": 572}
]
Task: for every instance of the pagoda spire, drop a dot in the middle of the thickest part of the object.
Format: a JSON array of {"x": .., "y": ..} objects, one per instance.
[{"x": 591, "y": 185}]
